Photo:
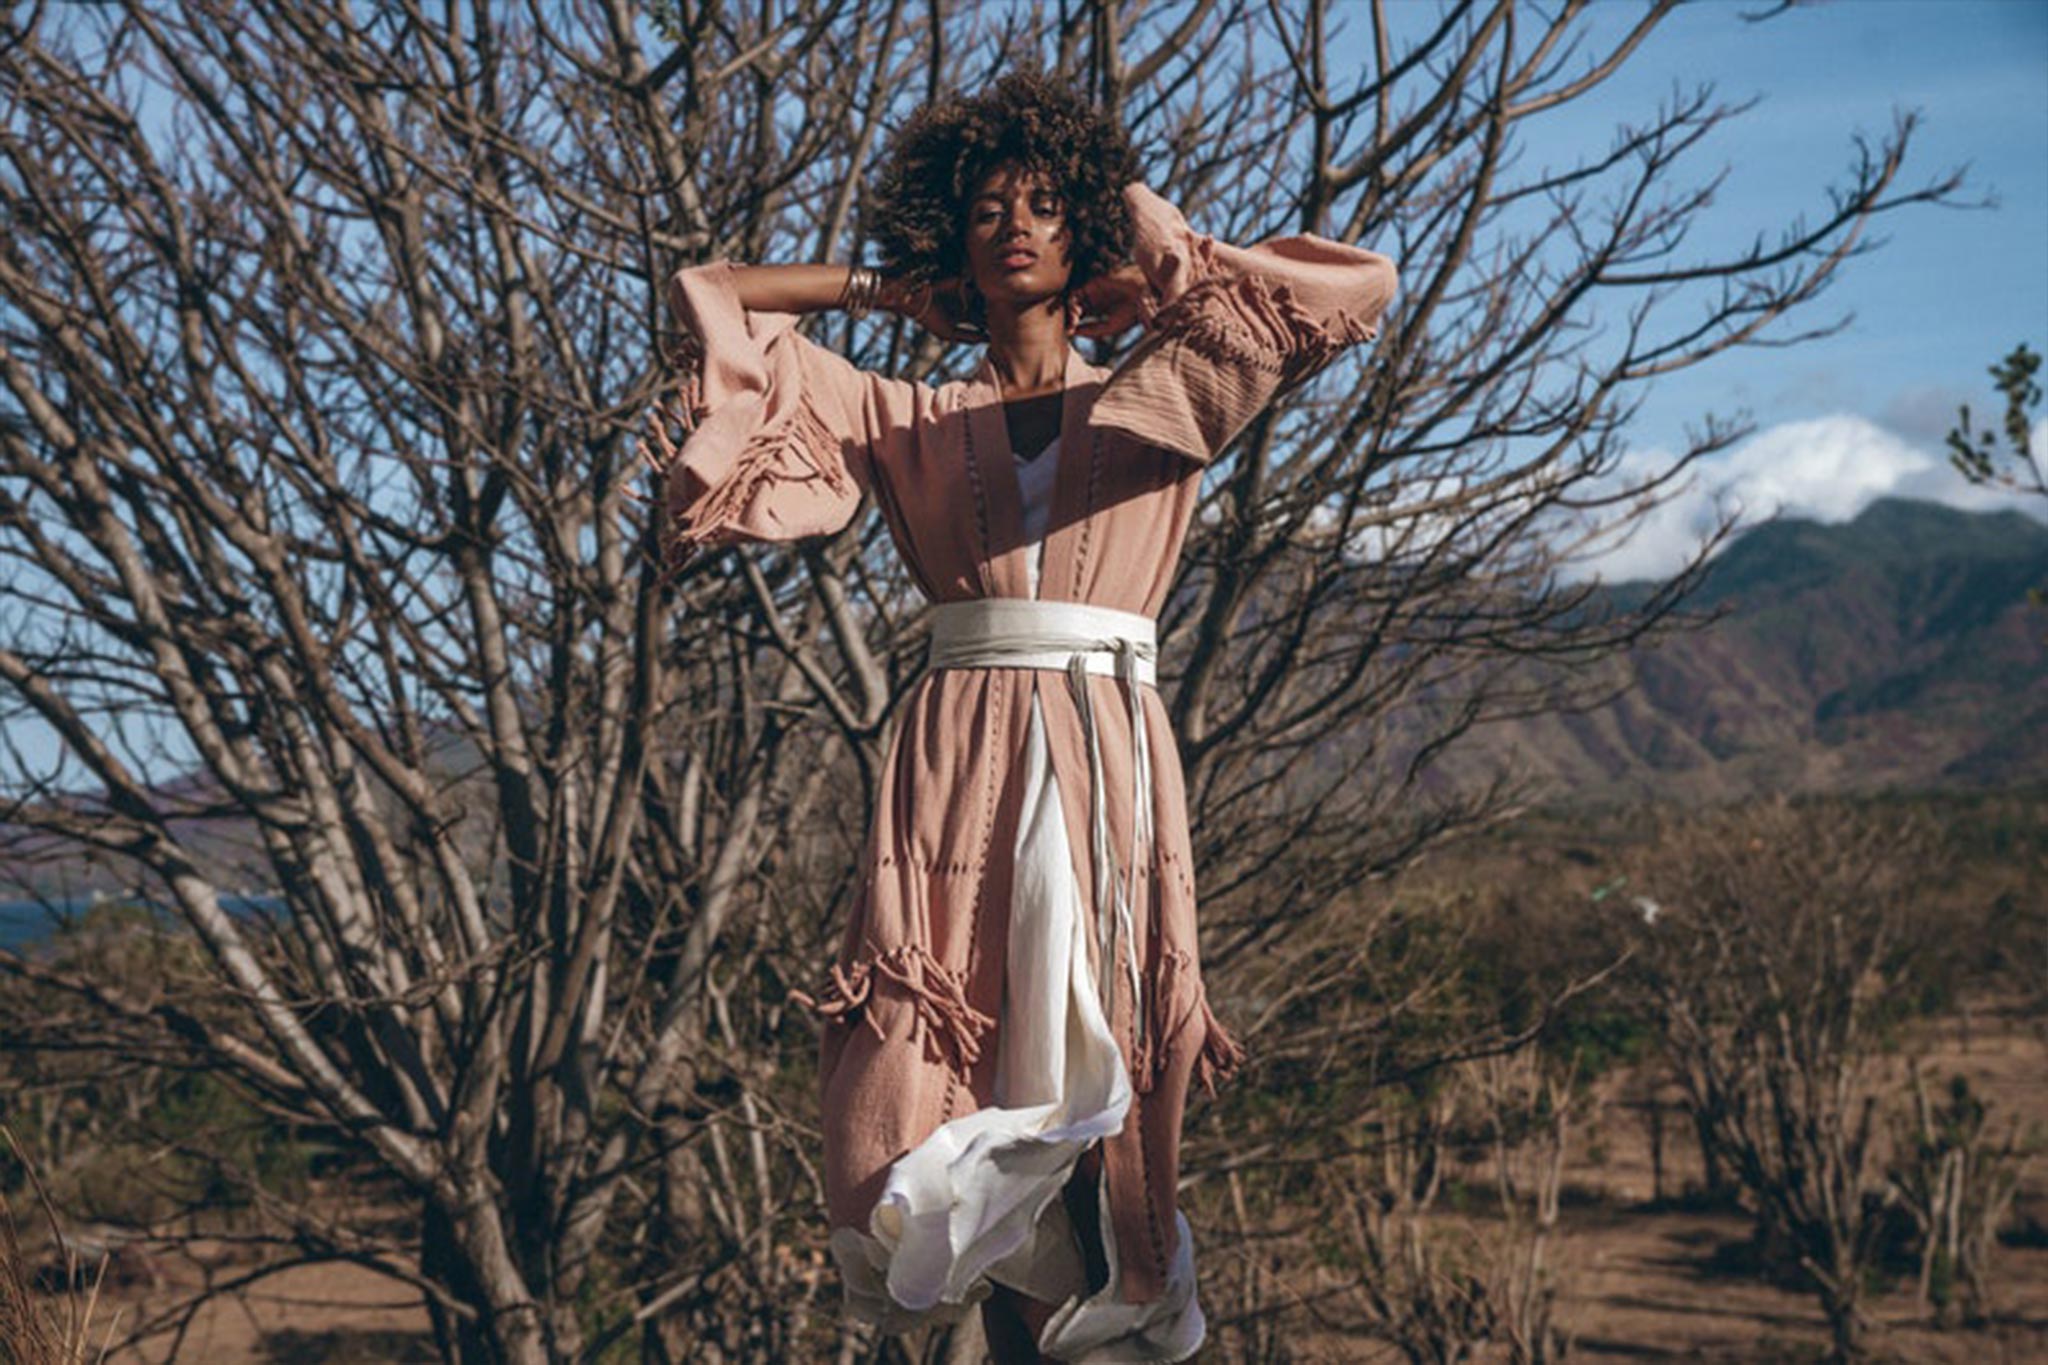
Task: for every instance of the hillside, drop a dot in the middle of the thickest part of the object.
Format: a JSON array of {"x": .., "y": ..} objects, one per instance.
[{"x": 1896, "y": 650}]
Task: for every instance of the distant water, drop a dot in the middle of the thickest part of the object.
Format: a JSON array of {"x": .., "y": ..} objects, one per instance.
[{"x": 24, "y": 924}]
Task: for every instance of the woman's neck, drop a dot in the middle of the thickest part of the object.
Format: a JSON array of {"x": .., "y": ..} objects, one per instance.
[{"x": 1028, "y": 346}]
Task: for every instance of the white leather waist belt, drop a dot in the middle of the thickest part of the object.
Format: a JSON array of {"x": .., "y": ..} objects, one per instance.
[
  {"x": 1022, "y": 632},
  {"x": 1077, "y": 639}
]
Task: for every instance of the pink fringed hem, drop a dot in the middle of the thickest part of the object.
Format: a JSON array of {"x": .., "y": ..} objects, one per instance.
[
  {"x": 1221, "y": 1054},
  {"x": 1247, "y": 319},
  {"x": 802, "y": 442},
  {"x": 943, "y": 1017},
  {"x": 1180, "y": 1001}
]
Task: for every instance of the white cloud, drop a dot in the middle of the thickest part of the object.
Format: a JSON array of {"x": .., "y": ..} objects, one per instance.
[{"x": 1827, "y": 469}]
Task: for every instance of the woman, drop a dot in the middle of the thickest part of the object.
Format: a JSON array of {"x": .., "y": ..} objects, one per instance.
[{"x": 1016, "y": 1013}]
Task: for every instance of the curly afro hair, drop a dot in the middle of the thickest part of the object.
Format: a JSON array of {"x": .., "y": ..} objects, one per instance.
[{"x": 945, "y": 150}]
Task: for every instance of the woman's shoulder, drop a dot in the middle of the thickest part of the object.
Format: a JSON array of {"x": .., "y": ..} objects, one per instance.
[{"x": 951, "y": 393}]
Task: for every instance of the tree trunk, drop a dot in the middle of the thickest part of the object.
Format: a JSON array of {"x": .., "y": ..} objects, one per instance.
[
  {"x": 1845, "y": 1327},
  {"x": 466, "y": 1254}
]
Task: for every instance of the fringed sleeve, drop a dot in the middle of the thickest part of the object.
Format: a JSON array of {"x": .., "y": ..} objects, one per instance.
[
  {"x": 780, "y": 431},
  {"x": 1231, "y": 327}
]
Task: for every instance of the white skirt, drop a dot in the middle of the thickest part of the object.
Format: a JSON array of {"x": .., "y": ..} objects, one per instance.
[{"x": 979, "y": 1200}]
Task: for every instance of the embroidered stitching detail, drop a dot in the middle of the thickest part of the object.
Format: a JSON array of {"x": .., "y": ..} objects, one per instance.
[
  {"x": 1159, "y": 1260},
  {"x": 996, "y": 696},
  {"x": 1151, "y": 1041},
  {"x": 1174, "y": 869},
  {"x": 1088, "y": 513},
  {"x": 985, "y": 563},
  {"x": 931, "y": 867},
  {"x": 951, "y": 1027}
]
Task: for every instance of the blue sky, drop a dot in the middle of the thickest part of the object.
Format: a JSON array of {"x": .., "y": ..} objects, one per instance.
[
  {"x": 1950, "y": 290},
  {"x": 1861, "y": 414}
]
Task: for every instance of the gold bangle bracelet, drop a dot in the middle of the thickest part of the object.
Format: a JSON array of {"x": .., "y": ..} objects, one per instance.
[{"x": 862, "y": 284}]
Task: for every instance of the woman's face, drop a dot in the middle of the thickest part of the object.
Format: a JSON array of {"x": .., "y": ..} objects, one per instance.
[{"x": 1017, "y": 238}]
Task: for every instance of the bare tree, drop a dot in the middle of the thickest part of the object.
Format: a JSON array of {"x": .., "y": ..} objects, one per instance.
[
  {"x": 1441, "y": 1288},
  {"x": 1957, "y": 1178},
  {"x": 1976, "y": 452},
  {"x": 325, "y": 337},
  {"x": 1775, "y": 969}
]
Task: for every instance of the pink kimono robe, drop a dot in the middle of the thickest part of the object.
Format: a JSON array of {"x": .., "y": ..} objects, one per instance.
[{"x": 788, "y": 437}]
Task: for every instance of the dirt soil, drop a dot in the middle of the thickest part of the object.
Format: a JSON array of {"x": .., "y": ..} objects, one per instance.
[
  {"x": 1644, "y": 1280},
  {"x": 301, "y": 1315},
  {"x": 1654, "y": 1285}
]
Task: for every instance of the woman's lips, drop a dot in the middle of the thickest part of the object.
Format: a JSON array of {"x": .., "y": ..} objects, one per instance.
[{"x": 1017, "y": 260}]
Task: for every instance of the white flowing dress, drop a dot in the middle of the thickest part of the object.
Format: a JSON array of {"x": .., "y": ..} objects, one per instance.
[{"x": 978, "y": 1201}]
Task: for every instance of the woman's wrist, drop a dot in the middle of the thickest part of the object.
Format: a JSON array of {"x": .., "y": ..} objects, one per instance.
[
  {"x": 863, "y": 286},
  {"x": 867, "y": 289},
  {"x": 903, "y": 296}
]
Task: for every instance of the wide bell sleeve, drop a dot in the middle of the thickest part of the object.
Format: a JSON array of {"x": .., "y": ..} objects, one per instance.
[
  {"x": 1231, "y": 327},
  {"x": 780, "y": 432}
]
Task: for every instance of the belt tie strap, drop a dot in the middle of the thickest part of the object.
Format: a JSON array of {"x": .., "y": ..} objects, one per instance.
[{"x": 1078, "y": 639}]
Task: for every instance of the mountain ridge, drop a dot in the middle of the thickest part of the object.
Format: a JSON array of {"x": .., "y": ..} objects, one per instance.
[{"x": 1898, "y": 649}]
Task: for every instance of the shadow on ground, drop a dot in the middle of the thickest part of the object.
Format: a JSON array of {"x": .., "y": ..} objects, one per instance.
[{"x": 342, "y": 1347}]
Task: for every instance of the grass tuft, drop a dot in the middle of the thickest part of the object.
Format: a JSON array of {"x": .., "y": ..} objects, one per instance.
[{"x": 38, "y": 1327}]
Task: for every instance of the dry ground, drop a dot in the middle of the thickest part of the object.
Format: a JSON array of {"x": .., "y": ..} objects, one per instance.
[
  {"x": 1647, "y": 1286},
  {"x": 1645, "y": 1282},
  {"x": 1663, "y": 1282}
]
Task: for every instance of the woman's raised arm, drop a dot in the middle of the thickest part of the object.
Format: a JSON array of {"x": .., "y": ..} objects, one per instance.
[
  {"x": 816, "y": 288},
  {"x": 798, "y": 288},
  {"x": 1229, "y": 328},
  {"x": 780, "y": 434}
]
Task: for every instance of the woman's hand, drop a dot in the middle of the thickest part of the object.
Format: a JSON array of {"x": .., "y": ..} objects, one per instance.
[
  {"x": 1114, "y": 302},
  {"x": 939, "y": 307}
]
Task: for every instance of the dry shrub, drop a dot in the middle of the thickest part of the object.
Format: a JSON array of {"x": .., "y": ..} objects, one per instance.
[
  {"x": 38, "y": 1327},
  {"x": 1776, "y": 948},
  {"x": 1437, "y": 1238},
  {"x": 1444, "y": 1259},
  {"x": 1956, "y": 1175}
]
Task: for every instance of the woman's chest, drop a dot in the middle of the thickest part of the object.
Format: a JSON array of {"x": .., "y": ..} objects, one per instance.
[
  {"x": 1111, "y": 511},
  {"x": 1032, "y": 425}
]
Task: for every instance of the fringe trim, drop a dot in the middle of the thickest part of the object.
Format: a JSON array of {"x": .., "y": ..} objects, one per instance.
[
  {"x": 1251, "y": 320},
  {"x": 1149, "y": 1062},
  {"x": 802, "y": 442},
  {"x": 1181, "y": 1001},
  {"x": 951, "y": 1027},
  {"x": 686, "y": 358},
  {"x": 1221, "y": 1054},
  {"x": 689, "y": 359}
]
